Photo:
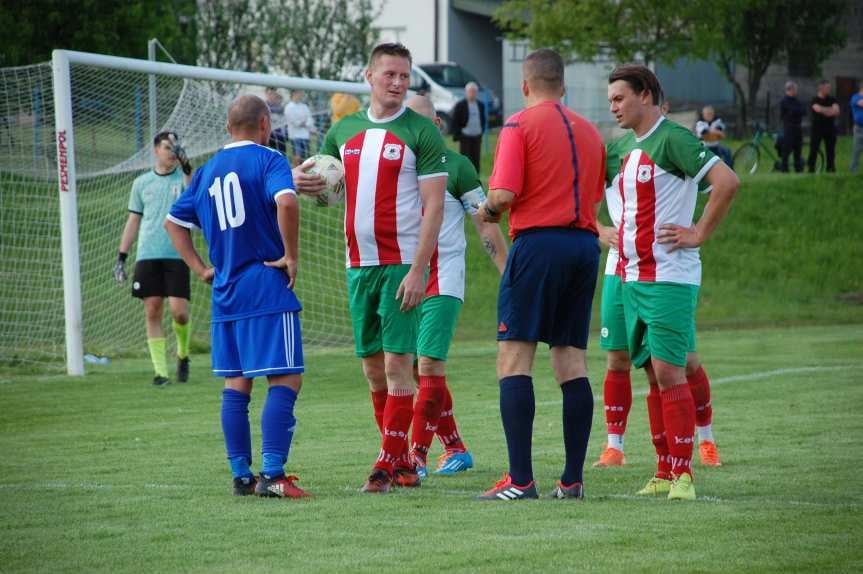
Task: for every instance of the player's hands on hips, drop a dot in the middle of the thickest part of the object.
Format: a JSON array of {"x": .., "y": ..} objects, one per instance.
[
  {"x": 207, "y": 275},
  {"x": 678, "y": 236},
  {"x": 289, "y": 266},
  {"x": 411, "y": 290},
  {"x": 120, "y": 272},
  {"x": 307, "y": 183},
  {"x": 608, "y": 236}
]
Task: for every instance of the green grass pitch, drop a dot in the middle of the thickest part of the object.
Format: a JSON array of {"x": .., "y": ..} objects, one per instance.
[{"x": 108, "y": 474}]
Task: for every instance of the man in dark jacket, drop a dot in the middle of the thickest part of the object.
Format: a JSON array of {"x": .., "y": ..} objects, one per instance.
[
  {"x": 791, "y": 112},
  {"x": 824, "y": 109},
  {"x": 468, "y": 119}
]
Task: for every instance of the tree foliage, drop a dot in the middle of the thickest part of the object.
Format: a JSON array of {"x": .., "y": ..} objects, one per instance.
[
  {"x": 33, "y": 28},
  {"x": 309, "y": 38},
  {"x": 758, "y": 33},
  {"x": 750, "y": 33},
  {"x": 650, "y": 30}
]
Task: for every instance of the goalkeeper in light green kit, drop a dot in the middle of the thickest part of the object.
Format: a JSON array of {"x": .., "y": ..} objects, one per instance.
[{"x": 159, "y": 270}]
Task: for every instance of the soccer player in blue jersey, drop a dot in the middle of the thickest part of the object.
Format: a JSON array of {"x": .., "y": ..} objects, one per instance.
[{"x": 243, "y": 200}]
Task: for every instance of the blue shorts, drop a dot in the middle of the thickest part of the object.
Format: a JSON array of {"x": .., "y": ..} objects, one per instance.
[
  {"x": 546, "y": 291},
  {"x": 258, "y": 346}
]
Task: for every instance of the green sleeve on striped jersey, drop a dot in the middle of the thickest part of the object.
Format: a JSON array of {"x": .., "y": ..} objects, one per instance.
[
  {"x": 431, "y": 151},
  {"x": 466, "y": 178},
  {"x": 330, "y": 146},
  {"x": 686, "y": 152},
  {"x": 612, "y": 162}
]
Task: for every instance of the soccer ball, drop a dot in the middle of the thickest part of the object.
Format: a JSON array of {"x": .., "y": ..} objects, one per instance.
[{"x": 331, "y": 170}]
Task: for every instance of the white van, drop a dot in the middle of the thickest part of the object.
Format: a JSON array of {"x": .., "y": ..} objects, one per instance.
[{"x": 443, "y": 83}]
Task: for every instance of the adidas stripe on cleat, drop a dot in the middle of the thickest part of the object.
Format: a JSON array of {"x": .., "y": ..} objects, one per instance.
[
  {"x": 452, "y": 462},
  {"x": 244, "y": 485},
  {"x": 506, "y": 490},
  {"x": 575, "y": 490},
  {"x": 279, "y": 487}
]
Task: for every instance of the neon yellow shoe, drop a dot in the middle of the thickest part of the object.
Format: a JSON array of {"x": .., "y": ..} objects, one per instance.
[
  {"x": 682, "y": 488},
  {"x": 655, "y": 486}
]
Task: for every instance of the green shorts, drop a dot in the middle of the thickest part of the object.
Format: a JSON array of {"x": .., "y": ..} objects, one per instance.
[
  {"x": 377, "y": 321},
  {"x": 438, "y": 317},
  {"x": 612, "y": 334},
  {"x": 660, "y": 321}
]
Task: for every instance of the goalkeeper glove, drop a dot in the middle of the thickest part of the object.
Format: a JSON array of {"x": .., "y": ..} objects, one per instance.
[
  {"x": 180, "y": 154},
  {"x": 183, "y": 159},
  {"x": 120, "y": 268}
]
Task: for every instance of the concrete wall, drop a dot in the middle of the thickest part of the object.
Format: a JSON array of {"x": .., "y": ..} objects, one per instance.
[
  {"x": 412, "y": 24},
  {"x": 475, "y": 43}
]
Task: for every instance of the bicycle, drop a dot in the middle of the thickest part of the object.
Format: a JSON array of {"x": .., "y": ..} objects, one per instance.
[{"x": 747, "y": 158}]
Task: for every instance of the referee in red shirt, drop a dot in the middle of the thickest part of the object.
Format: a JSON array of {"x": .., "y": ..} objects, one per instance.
[{"x": 548, "y": 171}]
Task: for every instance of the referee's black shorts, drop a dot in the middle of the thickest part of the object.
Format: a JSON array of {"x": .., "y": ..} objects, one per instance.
[
  {"x": 161, "y": 278},
  {"x": 547, "y": 287}
]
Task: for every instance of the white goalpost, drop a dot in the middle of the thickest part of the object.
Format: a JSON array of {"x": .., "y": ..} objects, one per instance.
[{"x": 105, "y": 109}]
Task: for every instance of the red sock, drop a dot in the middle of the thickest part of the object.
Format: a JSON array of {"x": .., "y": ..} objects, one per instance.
[
  {"x": 678, "y": 412},
  {"x": 657, "y": 432},
  {"x": 427, "y": 411},
  {"x": 379, "y": 402},
  {"x": 447, "y": 431},
  {"x": 617, "y": 395},
  {"x": 397, "y": 421},
  {"x": 699, "y": 385}
]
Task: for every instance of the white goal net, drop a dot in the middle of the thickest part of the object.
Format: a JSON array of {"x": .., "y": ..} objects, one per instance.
[{"x": 115, "y": 108}]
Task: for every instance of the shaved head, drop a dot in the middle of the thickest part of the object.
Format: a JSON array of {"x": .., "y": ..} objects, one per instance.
[
  {"x": 543, "y": 70},
  {"x": 421, "y": 105},
  {"x": 245, "y": 113}
]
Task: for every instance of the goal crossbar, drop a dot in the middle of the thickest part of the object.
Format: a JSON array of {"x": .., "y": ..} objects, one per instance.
[{"x": 62, "y": 60}]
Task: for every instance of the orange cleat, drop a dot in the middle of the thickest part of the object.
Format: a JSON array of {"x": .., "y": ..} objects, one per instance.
[
  {"x": 610, "y": 457},
  {"x": 708, "y": 453}
]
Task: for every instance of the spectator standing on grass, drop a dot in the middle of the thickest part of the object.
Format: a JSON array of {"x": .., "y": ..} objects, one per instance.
[
  {"x": 824, "y": 108},
  {"x": 159, "y": 271},
  {"x": 710, "y": 129},
  {"x": 791, "y": 113},
  {"x": 857, "y": 113},
  {"x": 548, "y": 172},
  {"x": 300, "y": 125},
  {"x": 468, "y": 119}
]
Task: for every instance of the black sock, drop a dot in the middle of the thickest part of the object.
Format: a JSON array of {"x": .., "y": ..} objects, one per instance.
[
  {"x": 517, "y": 407},
  {"x": 577, "y": 420}
]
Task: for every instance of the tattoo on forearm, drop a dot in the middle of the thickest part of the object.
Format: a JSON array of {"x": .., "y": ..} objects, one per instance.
[{"x": 488, "y": 244}]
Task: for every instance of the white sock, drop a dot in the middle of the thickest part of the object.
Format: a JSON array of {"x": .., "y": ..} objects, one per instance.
[
  {"x": 705, "y": 433},
  {"x": 615, "y": 441}
]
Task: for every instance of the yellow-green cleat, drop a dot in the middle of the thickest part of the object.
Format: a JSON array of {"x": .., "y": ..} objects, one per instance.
[
  {"x": 655, "y": 487},
  {"x": 682, "y": 488}
]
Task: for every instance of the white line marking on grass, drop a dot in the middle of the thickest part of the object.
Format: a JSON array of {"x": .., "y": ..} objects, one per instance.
[
  {"x": 740, "y": 378},
  {"x": 90, "y": 486}
]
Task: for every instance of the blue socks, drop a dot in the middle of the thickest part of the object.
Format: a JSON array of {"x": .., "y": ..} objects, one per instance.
[
  {"x": 235, "y": 427},
  {"x": 517, "y": 407},
  {"x": 577, "y": 420},
  {"x": 277, "y": 428}
]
